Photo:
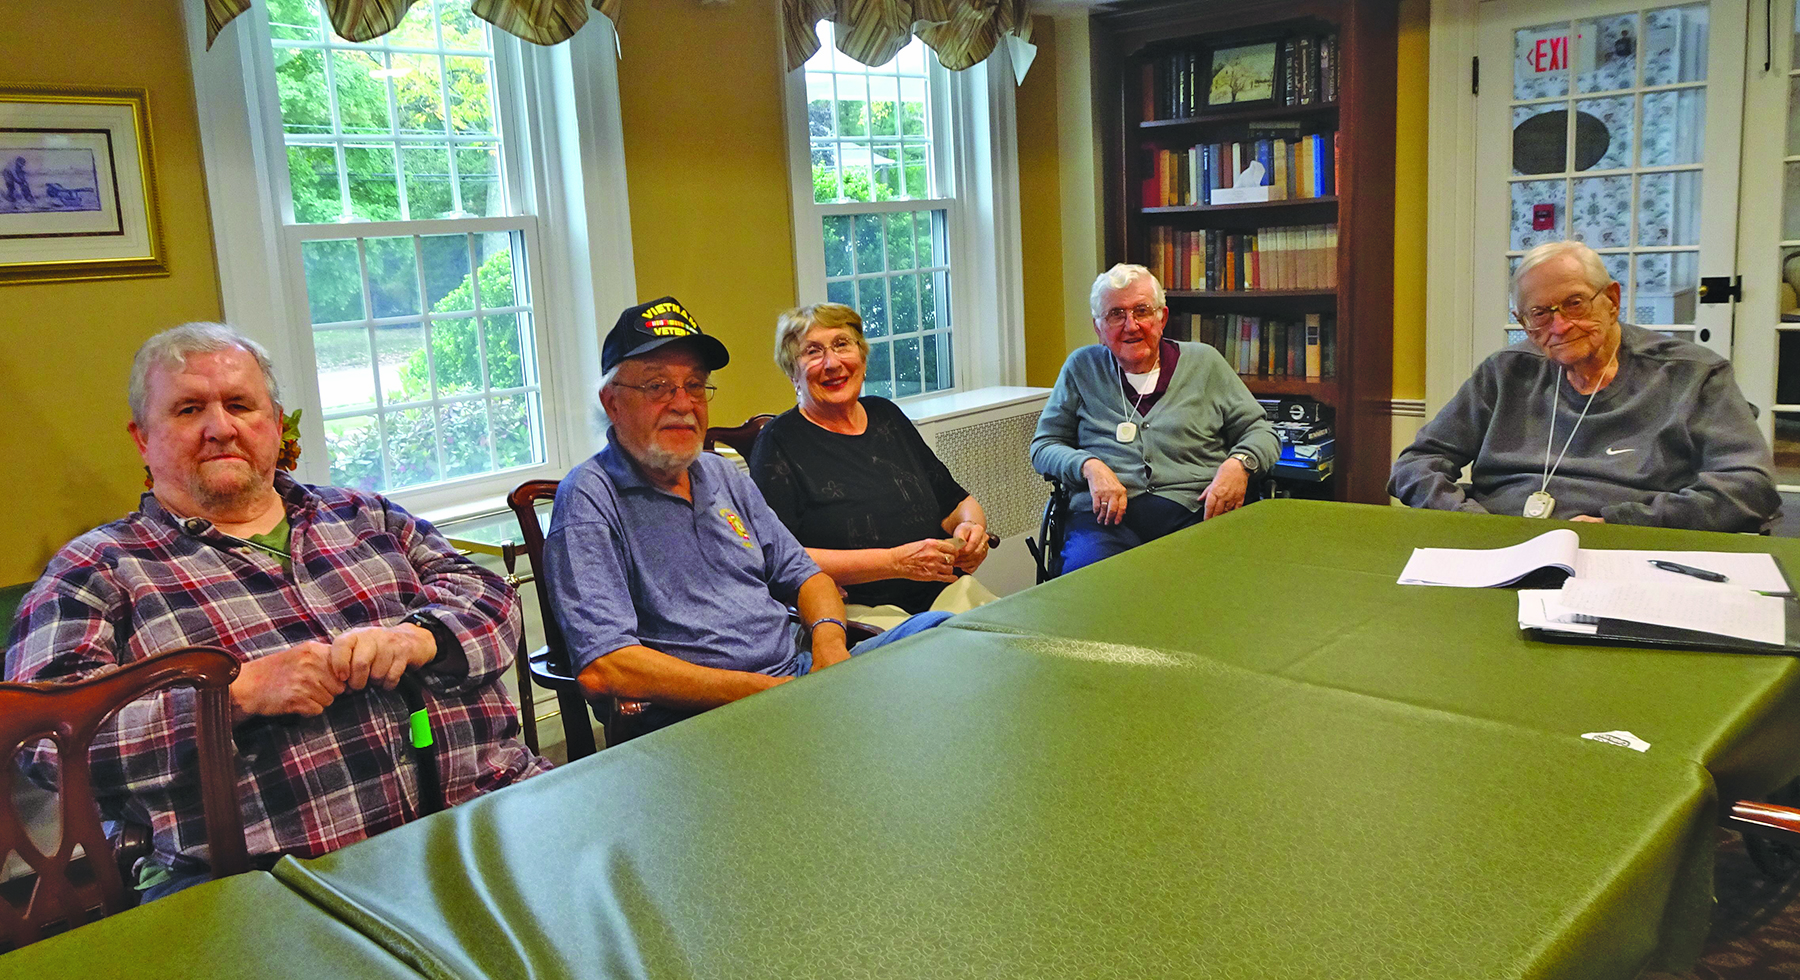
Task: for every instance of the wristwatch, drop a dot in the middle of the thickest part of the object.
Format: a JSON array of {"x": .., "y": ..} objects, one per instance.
[{"x": 1245, "y": 458}]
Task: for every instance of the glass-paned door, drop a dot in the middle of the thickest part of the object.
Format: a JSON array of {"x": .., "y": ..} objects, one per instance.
[
  {"x": 1615, "y": 124},
  {"x": 1768, "y": 336}
]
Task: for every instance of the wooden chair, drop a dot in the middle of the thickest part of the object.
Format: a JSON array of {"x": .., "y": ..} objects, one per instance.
[
  {"x": 741, "y": 438},
  {"x": 68, "y": 892},
  {"x": 549, "y": 664}
]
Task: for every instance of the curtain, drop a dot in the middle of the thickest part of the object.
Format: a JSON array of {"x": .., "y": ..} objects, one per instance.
[
  {"x": 537, "y": 21},
  {"x": 962, "y": 32}
]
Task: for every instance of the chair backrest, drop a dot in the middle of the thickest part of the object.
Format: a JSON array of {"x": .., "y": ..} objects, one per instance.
[
  {"x": 741, "y": 438},
  {"x": 69, "y": 715},
  {"x": 524, "y": 500}
]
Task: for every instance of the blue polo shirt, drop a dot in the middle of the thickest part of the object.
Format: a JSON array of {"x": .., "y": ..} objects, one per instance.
[{"x": 708, "y": 581}]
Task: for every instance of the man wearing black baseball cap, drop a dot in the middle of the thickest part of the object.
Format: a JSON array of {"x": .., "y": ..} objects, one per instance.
[{"x": 668, "y": 573}]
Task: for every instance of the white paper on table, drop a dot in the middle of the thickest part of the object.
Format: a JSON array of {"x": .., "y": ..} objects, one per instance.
[
  {"x": 1722, "y": 610},
  {"x": 1538, "y": 611},
  {"x": 1749, "y": 570},
  {"x": 1484, "y": 568}
]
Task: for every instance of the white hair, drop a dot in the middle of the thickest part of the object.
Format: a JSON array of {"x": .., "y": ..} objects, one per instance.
[
  {"x": 1591, "y": 266},
  {"x": 1122, "y": 276},
  {"x": 174, "y": 346}
]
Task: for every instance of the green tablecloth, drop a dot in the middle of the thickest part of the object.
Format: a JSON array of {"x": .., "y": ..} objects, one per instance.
[
  {"x": 984, "y": 805},
  {"x": 1306, "y": 590},
  {"x": 248, "y": 927}
]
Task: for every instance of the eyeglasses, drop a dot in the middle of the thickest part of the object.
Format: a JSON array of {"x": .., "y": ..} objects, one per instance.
[
  {"x": 662, "y": 391},
  {"x": 840, "y": 348},
  {"x": 1141, "y": 313},
  {"x": 1573, "y": 308}
]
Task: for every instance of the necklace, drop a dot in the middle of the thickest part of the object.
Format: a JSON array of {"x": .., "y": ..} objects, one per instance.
[
  {"x": 1128, "y": 429},
  {"x": 1540, "y": 504}
]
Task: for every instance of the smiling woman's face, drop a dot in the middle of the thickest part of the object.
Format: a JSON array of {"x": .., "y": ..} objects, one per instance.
[{"x": 831, "y": 367}]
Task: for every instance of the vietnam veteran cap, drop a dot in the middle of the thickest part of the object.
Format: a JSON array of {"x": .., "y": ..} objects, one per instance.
[{"x": 647, "y": 326}]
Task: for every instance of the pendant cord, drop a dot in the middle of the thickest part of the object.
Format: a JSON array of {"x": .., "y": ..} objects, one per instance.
[{"x": 1555, "y": 399}]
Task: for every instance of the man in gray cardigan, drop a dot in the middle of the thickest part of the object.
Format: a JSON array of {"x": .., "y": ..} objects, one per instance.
[
  {"x": 1160, "y": 434},
  {"x": 1591, "y": 419}
]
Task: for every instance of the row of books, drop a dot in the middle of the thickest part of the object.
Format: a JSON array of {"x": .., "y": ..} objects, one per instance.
[
  {"x": 1242, "y": 172},
  {"x": 1271, "y": 347},
  {"x": 1294, "y": 71},
  {"x": 1309, "y": 69},
  {"x": 1217, "y": 260}
]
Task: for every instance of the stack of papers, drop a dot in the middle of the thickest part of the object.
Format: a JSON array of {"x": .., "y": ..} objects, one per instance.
[
  {"x": 1561, "y": 550},
  {"x": 1622, "y": 596}
]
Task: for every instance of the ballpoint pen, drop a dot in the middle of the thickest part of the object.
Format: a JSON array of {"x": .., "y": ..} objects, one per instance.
[{"x": 1701, "y": 573}]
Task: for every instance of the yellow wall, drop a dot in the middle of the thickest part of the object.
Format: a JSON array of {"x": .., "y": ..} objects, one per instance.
[
  {"x": 1409, "y": 201},
  {"x": 65, "y": 348},
  {"x": 706, "y": 163},
  {"x": 1040, "y": 211}
]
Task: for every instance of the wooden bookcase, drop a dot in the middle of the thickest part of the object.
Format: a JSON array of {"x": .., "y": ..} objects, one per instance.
[{"x": 1126, "y": 37}]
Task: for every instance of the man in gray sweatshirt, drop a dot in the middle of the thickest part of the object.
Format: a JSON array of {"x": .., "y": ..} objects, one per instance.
[{"x": 1593, "y": 420}]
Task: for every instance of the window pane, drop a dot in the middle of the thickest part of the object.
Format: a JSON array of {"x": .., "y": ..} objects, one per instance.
[
  {"x": 825, "y": 174},
  {"x": 296, "y": 20},
  {"x": 333, "y": 280},
  {"x": 871, "y": 304},
  {"x": 884, "y": 106},
  {"x": 405, "y": 375},
  {"x": 1675, "y": 45},
  {"x": 300, "y": 87},
  {"x": 907, "y": 375},
  {"x": 465, "y": 429},
  {"x": 931, "y": 298},
  {"x": 1601, "y": 213},
  {"x": 903, "y": 292},
  {"x": 374, "y": 182},
  {"x": 427, "y": 174},
  {"x": 418, "y": 93},
  {"x": 478, "y": 170},
  {"x": 1527, "y": 195},
  {"x": 494, "y": 252},
  {"x": 447, "y": 285},
  {"x": 354, "y": 445},
  {"x": 1666, "y": 287},
  {"x": 313, "y": 177},
  {"x": 461, "y": 28},
  {"x": 1540, "y": 61},
  {"x": 393, "y": 276},
  {"x": 900, "y": 241},
  {"x": 455, "y": 356},
  {"x": 939, "y": 371},
  {"x": 878, "y": 378},
  {"x": 412, "y": 447},
  {"x": 869, "y": 244},
  {"x": 504, "y": 336},
  {"x": 1615, "y": 116},
  {"x": 518, "y": 430},
  {"x": 1674, "y": 127},
  {"x": 415, "y": 30},
  {"x": 918, "y": 177},
  {"x": 1604, "y": 53},
  {"x": 346, "y": 368},
  {"x": 1669, "y": 208},
  {"x": 912, "y": 106},
  {"x": 842, "y": 292},
  {"x": 837, "y": 245},
  {"x": 362, "y": 102},
  {"x": 471, "y": 111}
]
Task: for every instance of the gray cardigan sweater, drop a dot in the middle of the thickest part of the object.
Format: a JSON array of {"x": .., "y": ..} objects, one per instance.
[
  {"x": 1670, "y": 442},
  {"x": 1206, "y": 415}
]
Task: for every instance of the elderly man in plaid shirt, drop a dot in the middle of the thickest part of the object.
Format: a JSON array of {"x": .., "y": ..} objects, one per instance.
[{"x": 328, "y": 596}]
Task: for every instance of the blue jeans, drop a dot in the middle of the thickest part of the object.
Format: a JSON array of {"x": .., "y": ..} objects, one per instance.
[
  {"x": 917, "y": 624},
  {"x": 1147, "y": 517}
]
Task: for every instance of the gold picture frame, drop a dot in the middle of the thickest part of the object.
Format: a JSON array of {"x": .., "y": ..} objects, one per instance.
[{"x": 77, "y": 185}]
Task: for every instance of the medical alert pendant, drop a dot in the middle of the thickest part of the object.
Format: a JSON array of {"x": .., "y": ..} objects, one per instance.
[
  {"x": 1126, "y": 431},
  {"x": 1539, "y": 504}
]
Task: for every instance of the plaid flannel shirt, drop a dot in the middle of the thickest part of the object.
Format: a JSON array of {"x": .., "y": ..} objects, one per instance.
[{"x": 152, "y": 582}]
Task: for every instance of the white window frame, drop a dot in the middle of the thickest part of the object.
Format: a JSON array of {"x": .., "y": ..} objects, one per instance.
[
  {"x": 978, "y": 159},
  {"x": 560, "y": 126}
]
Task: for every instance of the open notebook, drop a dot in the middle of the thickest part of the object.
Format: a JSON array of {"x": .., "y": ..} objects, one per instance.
[
  {"x": 1699, "y": 616},
  {"x": 1560, "y": 552}
]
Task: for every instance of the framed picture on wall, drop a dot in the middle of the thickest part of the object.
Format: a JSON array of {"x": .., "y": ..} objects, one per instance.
[
  {"x": 77, "y": 186},
  {"x": 1243, "y": 76}
]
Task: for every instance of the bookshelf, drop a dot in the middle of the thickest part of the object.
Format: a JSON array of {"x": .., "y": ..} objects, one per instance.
[{"x": 1329, "y": 233}]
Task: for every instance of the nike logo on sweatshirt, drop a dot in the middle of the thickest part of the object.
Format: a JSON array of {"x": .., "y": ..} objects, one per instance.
[{"x": 1615, "y": 452}]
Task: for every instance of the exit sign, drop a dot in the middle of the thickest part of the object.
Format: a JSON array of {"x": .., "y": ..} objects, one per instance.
[{"x": 1545, "y": 52}]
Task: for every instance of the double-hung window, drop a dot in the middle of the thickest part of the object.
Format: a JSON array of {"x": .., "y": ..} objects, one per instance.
[
  {"x": 408, "y": 230},
  {"x": 889, "y": 218}
]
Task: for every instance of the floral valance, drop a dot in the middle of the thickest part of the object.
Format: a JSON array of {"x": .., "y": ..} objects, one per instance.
[
  {"x": 537, "y": 21},
  {"x": 962, "y": 32}
]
